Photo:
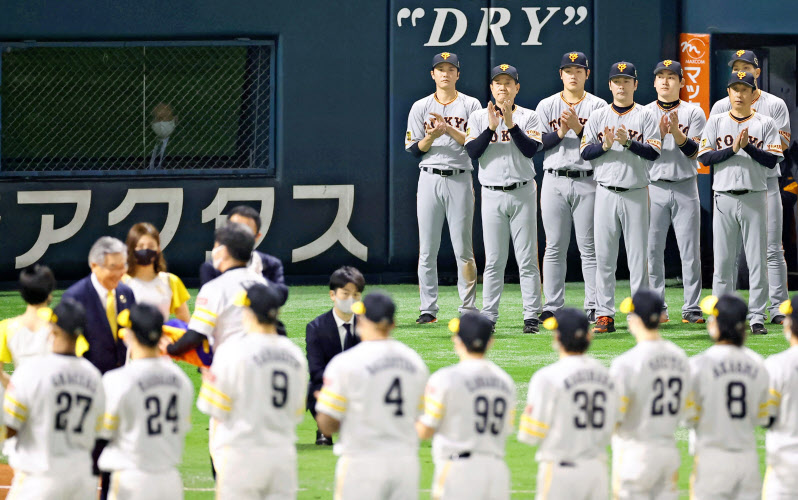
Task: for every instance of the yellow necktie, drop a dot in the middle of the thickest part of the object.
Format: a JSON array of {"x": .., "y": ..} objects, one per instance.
[{"x": 110, "y": 311}]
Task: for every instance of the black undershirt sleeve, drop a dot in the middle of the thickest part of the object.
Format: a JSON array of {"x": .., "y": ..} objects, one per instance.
[
  {"x": 767, "y": 160},
  {"x": 646, "y": 151},
  {"x": 190, "y": 340},
  {"x": 477, "y": 147},
  {"x": 415, "y": 151},
  {"x": 592, "y": 151},
  {"x": 715, "y": 157},
  {"x": 524, "y": 143},
  {"x": 550, "y": 140},
  {"x": 689, "y": 148}
]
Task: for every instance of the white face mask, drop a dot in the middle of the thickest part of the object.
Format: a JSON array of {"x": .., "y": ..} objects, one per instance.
[
  {"x": 163, "y": 129},
  {"x": 345, "y": 305},
  {"x": 216, "y": 259}
]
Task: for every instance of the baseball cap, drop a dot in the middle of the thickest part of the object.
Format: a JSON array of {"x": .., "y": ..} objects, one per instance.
[
  {"x": 670, "y": 65},
  {"x": 376, "y": 307},
  {"x": 731, "y": 313},
  {"x": 647, "y": 305},
  {"x": 623, "y": 68},
  {"x": 574, "y": 59},
  {"x": 745, "y": 55},
  {"x": 504, "y": 69},
  {"x": 573, "y": 328},
  {"x": 70, "y": 316},
  {"x": 146, "y": 322},
  {"x": 474, "y": 329},
  {"x": 445, "y": 57},
  {"x": 264, "y": 301},
  {"x": 744, "y": 77},
  {"x": 790, "y": 308}
]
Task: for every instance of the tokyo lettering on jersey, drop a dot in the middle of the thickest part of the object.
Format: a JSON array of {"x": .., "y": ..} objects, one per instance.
[
  {"x": 672, "y": 164},
  {"x": 566, "y": 154}
]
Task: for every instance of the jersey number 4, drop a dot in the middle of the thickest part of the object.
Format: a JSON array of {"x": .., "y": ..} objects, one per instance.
[
  {"x": 394, "y": 397},
  {"x": 64, "y": 402},
  {"x": 154, "y": 420}
]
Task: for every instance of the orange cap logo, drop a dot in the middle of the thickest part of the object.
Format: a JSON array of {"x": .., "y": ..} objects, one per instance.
[
  {"x": 740, "y": 53},
  {"x": 504, "y": 67},
  {"x": 667, "y": 62},
  {"x": 445, "y": 55},
  {"x": 622, "y": 66},
  {"x": 741, "y": 74},
  {"x": 572, "y": 56}
]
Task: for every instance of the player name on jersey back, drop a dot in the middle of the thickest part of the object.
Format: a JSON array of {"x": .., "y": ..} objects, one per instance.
[
  {"x": 565, "y": 155},
  {"x": 672, "y": 164},
  {"x": 445, "y": 152}
]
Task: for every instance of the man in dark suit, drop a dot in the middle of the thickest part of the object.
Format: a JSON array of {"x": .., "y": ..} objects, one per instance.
[
  {"x": 332, "y": 333},
  {"x": 104, "y": 296}
]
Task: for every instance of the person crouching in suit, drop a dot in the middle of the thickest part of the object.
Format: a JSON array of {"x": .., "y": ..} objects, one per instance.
[{"x": 332, "y": 333}]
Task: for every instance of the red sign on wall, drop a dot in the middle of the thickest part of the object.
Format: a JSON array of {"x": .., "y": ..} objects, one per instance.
[{"x": 694, "y": 56}]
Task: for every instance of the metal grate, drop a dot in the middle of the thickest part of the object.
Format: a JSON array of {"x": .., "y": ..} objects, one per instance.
[{"x": 108, "y": 108}]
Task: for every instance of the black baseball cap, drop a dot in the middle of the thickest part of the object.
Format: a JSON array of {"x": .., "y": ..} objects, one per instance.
[
  {"x": 70, "y": 316},
  {"x": 376, "y": 307},
  {"x": 731, "y": 312},
  {"x": 445, "y": 57},
  {"x": 623, "y": 68},
  {"x": 744, "y": 77},
  {"x": 475, "y": 330},
  {"x": 264, "y": 301},
  {"x": 573, "y": 328},
  {"x": 746, "y": 56},
  {"x": 146, "y": 322},
  {"x": 574, "y": 59},
  {"x": 670, "y": 65},
  {"x": 648, "y": 306},
  {"x": 790, "y": 308},
  {"x": 504, "y": 69}
]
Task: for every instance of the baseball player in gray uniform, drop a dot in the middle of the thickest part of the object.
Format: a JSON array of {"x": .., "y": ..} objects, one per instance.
[
  {"x": 621, "y": 140},
  {"x": 569, "y": 191},
  {"x": 774, "y": 107},
  {"x": 742, "y": 146},
  {"x": 504, "y": 137},
  {"x": 436, "y": 133},
  {"x": 673, "y": 192}
]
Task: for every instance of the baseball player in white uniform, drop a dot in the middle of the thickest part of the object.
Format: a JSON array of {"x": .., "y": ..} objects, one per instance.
[
  {"x": 504, "y": 137},
  {"x": 742, "y": 146},
  {"x": 621, "y": 140},
  {"x": 373, "y": 394},
  {"x": 769, "y": 105},
  {"x": 572, "y": 408},
  {"x": 652, "y": 380},
  {"x": 147, "y": 414},
  {"x": 53, "y": 405},
  {"x": 728, "y": 400},
  {"x": 673, "y": 191},
  {"x": 436, "y": 132},
  {"x": 569, "y": 191},
  {"x": 469, "y": 408},
  {"x": 781, "y": 440},
  {"x": 253, "y": 438}
]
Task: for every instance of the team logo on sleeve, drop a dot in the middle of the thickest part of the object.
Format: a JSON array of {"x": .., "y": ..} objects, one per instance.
[
  {"x": 741, "y": 74},
  {"x": 667, "y": 62},
  {"x": 408, "y": 136},
  {"x": 703, "y": 142},
  {"x": 572, "y": 56},
  {"x": 740, "y": 52},
  {"x": 504, "y": 67},
  {"x": 445, "y": 55},
  {"x": 622, "y": 66}
]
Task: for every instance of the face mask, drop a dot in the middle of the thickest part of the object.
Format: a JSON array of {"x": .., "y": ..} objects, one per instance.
[
  {"x": 145, "y": 257},
  {"x": 345, "y": 305},
  {"x": 216, "y": 259},
  {"x": 163, "y": 129}
]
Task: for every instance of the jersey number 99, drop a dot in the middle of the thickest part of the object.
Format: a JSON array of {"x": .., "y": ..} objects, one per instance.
[{"x": 482, "y": 408}]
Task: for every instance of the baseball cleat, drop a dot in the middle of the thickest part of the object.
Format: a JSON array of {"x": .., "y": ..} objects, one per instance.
[
  {"x": 693, "y": 317},
  {"x": 531, "y": 326},
  {"x": 591, "y": 315},
  {"x": 322, "y": 440},
  {"x": 426, "y": 318},
  {"x": 604, "y": 324},
  {"x": 778, "y": 319},
  {"x": 544, "y": 316},
  {"x": 663, "y": 317},
  {"x": 758, "y": 329}
]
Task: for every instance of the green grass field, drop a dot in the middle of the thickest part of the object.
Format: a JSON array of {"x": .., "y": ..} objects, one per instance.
[{"x": 519, "y": 354}]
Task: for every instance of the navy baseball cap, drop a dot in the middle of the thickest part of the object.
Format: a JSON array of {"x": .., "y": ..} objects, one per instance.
[
  {"x": 474, "y": 329},
  {"x": 744, "y": 77},
  {"x": 573, "y": 328},
  {"x": 446, "y": 57},
  {"x": 146, "y": 321},
  {"x": 623, "y": 68},
  {"x": 504, "y": 69},
  {"x": 70, "y": 316},
  {"x": 746, "y": 56},
  {"x": 574, "y": 59},
  {"x": 648, "y": 306},
  {"x": 376, "y": 307},
  {"x": 731, "y": 312},
  {"x": 670, "y": 65},
  {"x": 264, "y": 301},
  {"x": 790, "y": 308}
]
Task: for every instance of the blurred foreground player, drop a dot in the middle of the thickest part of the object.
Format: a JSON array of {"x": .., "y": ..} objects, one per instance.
[
  {"x": 53, "y": 405},
  {"x": 373, "y": 394},
  {"x": 571, "y": 411},
  {"x": 253, "y": 438},
  {"x": 469, "y": 408}
]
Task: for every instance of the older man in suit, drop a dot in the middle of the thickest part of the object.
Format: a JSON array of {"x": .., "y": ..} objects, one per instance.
[
  {"x": 104, "y": 296},
  {"x": 332, "y": 333}
]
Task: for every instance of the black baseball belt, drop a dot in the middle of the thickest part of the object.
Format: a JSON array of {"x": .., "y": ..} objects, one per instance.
[
  {"x": 511, "y": 187},
  {"x": 442, "y": 173},
  {"x": 615, "y": 189},
  {"x": 573, "y": 174},
  {"x": 738, "y": 192}
]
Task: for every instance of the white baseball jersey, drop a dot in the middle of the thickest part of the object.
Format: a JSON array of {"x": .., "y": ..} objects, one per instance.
[
  {"x": 782, "y": 437},
  {"x": 258, "y": 395},
  {"x": 740, "y": 171},
  {"x": 566, "y": 154},
  {"x": 216, "y": 314},
  {"x": 672, "y": 164},
  {"x": 445, "y": 153},
  {"x": 376, "y": 391},
  {"x": 502, "y": 163},
  {"x": 618, "y": 167},
  {"x": 572, "y": 408},
  {"x": 472, "y": 407},
  {"x": 728, "y": 398},
  {"x": 147, "y": 415},
  {"x": 653, "y": 381},
  {"x": 19, "y": 344},
  {"x": 55, "y": 403}
]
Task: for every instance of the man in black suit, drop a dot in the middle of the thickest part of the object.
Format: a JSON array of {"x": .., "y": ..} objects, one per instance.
[
  {"x": 332, "y": 333},
  {"x": 104, "y": 296}
]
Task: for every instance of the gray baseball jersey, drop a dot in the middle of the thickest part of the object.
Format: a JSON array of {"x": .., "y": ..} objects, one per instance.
[
  {"x": 566, "y": 154},
  {"x": 740, "y": 172},
  {"x": 619, "y": 167},
  {"x": 782, "y": 436},
  {"x": 445, "y": 152},
  {"x": 672, "y": 164},
  {"x": 502, "y": 163}
]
